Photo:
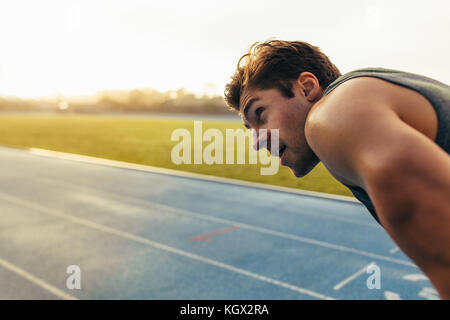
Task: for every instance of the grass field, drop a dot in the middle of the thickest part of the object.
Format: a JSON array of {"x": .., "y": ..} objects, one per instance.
[{"x": 143, "y": 141}]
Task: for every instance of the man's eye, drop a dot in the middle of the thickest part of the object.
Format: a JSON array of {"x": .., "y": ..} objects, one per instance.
[{"x": 258, "y": 112}]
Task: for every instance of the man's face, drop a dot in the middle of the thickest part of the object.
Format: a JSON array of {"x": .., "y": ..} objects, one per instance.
[{"x": 270, "y": 109}]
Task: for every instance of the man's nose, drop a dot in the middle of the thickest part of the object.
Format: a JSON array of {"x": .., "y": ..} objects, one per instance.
[{"x": 260, "y": 139}]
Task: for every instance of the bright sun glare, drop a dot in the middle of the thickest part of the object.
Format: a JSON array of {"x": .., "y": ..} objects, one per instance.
[
  {"x": 84, "y": 46},
  {"x": 76, "y": 47}
]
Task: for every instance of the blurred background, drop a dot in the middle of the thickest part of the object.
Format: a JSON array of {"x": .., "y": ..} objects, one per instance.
[
  {"x": 96, "y": 56},
  {"x": 113, "y": 80},
  {"x": 67, "y": 66}
]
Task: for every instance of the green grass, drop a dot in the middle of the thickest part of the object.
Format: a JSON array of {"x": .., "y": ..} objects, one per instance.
[{"x": 143, "y": 141}]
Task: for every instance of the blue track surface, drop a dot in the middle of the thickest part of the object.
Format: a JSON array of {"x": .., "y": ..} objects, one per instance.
[{"x": 141, "y": 235}]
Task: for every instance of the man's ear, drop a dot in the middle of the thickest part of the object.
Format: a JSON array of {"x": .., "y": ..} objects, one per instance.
[{"x": 309, "y": 86}]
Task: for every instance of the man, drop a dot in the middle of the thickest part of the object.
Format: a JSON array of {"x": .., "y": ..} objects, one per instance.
[{"x": 385, "y": 134}]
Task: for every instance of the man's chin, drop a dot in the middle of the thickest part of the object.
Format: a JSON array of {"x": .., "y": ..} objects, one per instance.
[
  {"x": 301, "y": 171},
  {"x": 297, "y": 173},
  {"x": 295, "y": 170}
]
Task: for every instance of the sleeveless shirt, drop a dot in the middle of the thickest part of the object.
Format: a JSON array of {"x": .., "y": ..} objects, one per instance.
[{"x": 437, "y": 93}]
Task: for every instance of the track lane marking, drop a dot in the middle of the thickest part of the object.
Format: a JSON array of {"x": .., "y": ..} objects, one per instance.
[
  {"x": 352, "y": 277},
  {"x": 207, "y": 236},
  {"x": 185, "y": 174},
  {"x": 36, "y": 207},
  {"x": 35, "y": 280},
  {"x": 174, "y": 210},
  {"x": 317, "y": 215},
  {"x": 394, "y": 250}
]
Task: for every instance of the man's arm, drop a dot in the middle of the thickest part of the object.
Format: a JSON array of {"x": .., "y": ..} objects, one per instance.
[{"x": 406, "y": 175}]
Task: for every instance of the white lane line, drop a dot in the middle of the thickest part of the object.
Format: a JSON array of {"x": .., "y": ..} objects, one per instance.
[
  {"x": 415, "y": 277},
  {"x": 185, "y": 174},
  {"x": 290, "y": 211},
  {"x": 352, "y": 277},
  {"x": 394, "y": 250},
  {"x": 154, "y": 244},
  {"x": 174, "y": 210},
  {"x": 429, "y": 293},
  {"x": 389, "y": 295},
  {"x": 39, "y": 282}
]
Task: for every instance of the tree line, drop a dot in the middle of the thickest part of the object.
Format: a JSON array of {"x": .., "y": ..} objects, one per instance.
[{"x": 145, "y": 100}]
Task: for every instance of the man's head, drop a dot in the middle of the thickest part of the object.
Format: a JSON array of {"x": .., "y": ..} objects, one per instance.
[{"x": 274, "y": 87}]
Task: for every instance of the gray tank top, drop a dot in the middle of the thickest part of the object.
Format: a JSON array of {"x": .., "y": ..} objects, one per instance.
[{"x": 436, "y": 92}]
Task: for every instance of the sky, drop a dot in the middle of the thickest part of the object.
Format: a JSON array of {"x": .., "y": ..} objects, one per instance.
[{"x": 71, "y": 47}]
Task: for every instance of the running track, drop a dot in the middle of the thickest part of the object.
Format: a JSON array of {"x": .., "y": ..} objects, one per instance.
[{"x": 139, "y": 234}]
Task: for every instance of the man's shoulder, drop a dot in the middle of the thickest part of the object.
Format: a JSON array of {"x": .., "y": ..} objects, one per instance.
[
  {"x": 366, "y": 96},
  {"x": 353, "y": 98},
  {"x": 336, "y": 126}
]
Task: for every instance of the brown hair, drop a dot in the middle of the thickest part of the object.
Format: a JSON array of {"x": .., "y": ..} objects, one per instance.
[{"x": 275, "y": 64}]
